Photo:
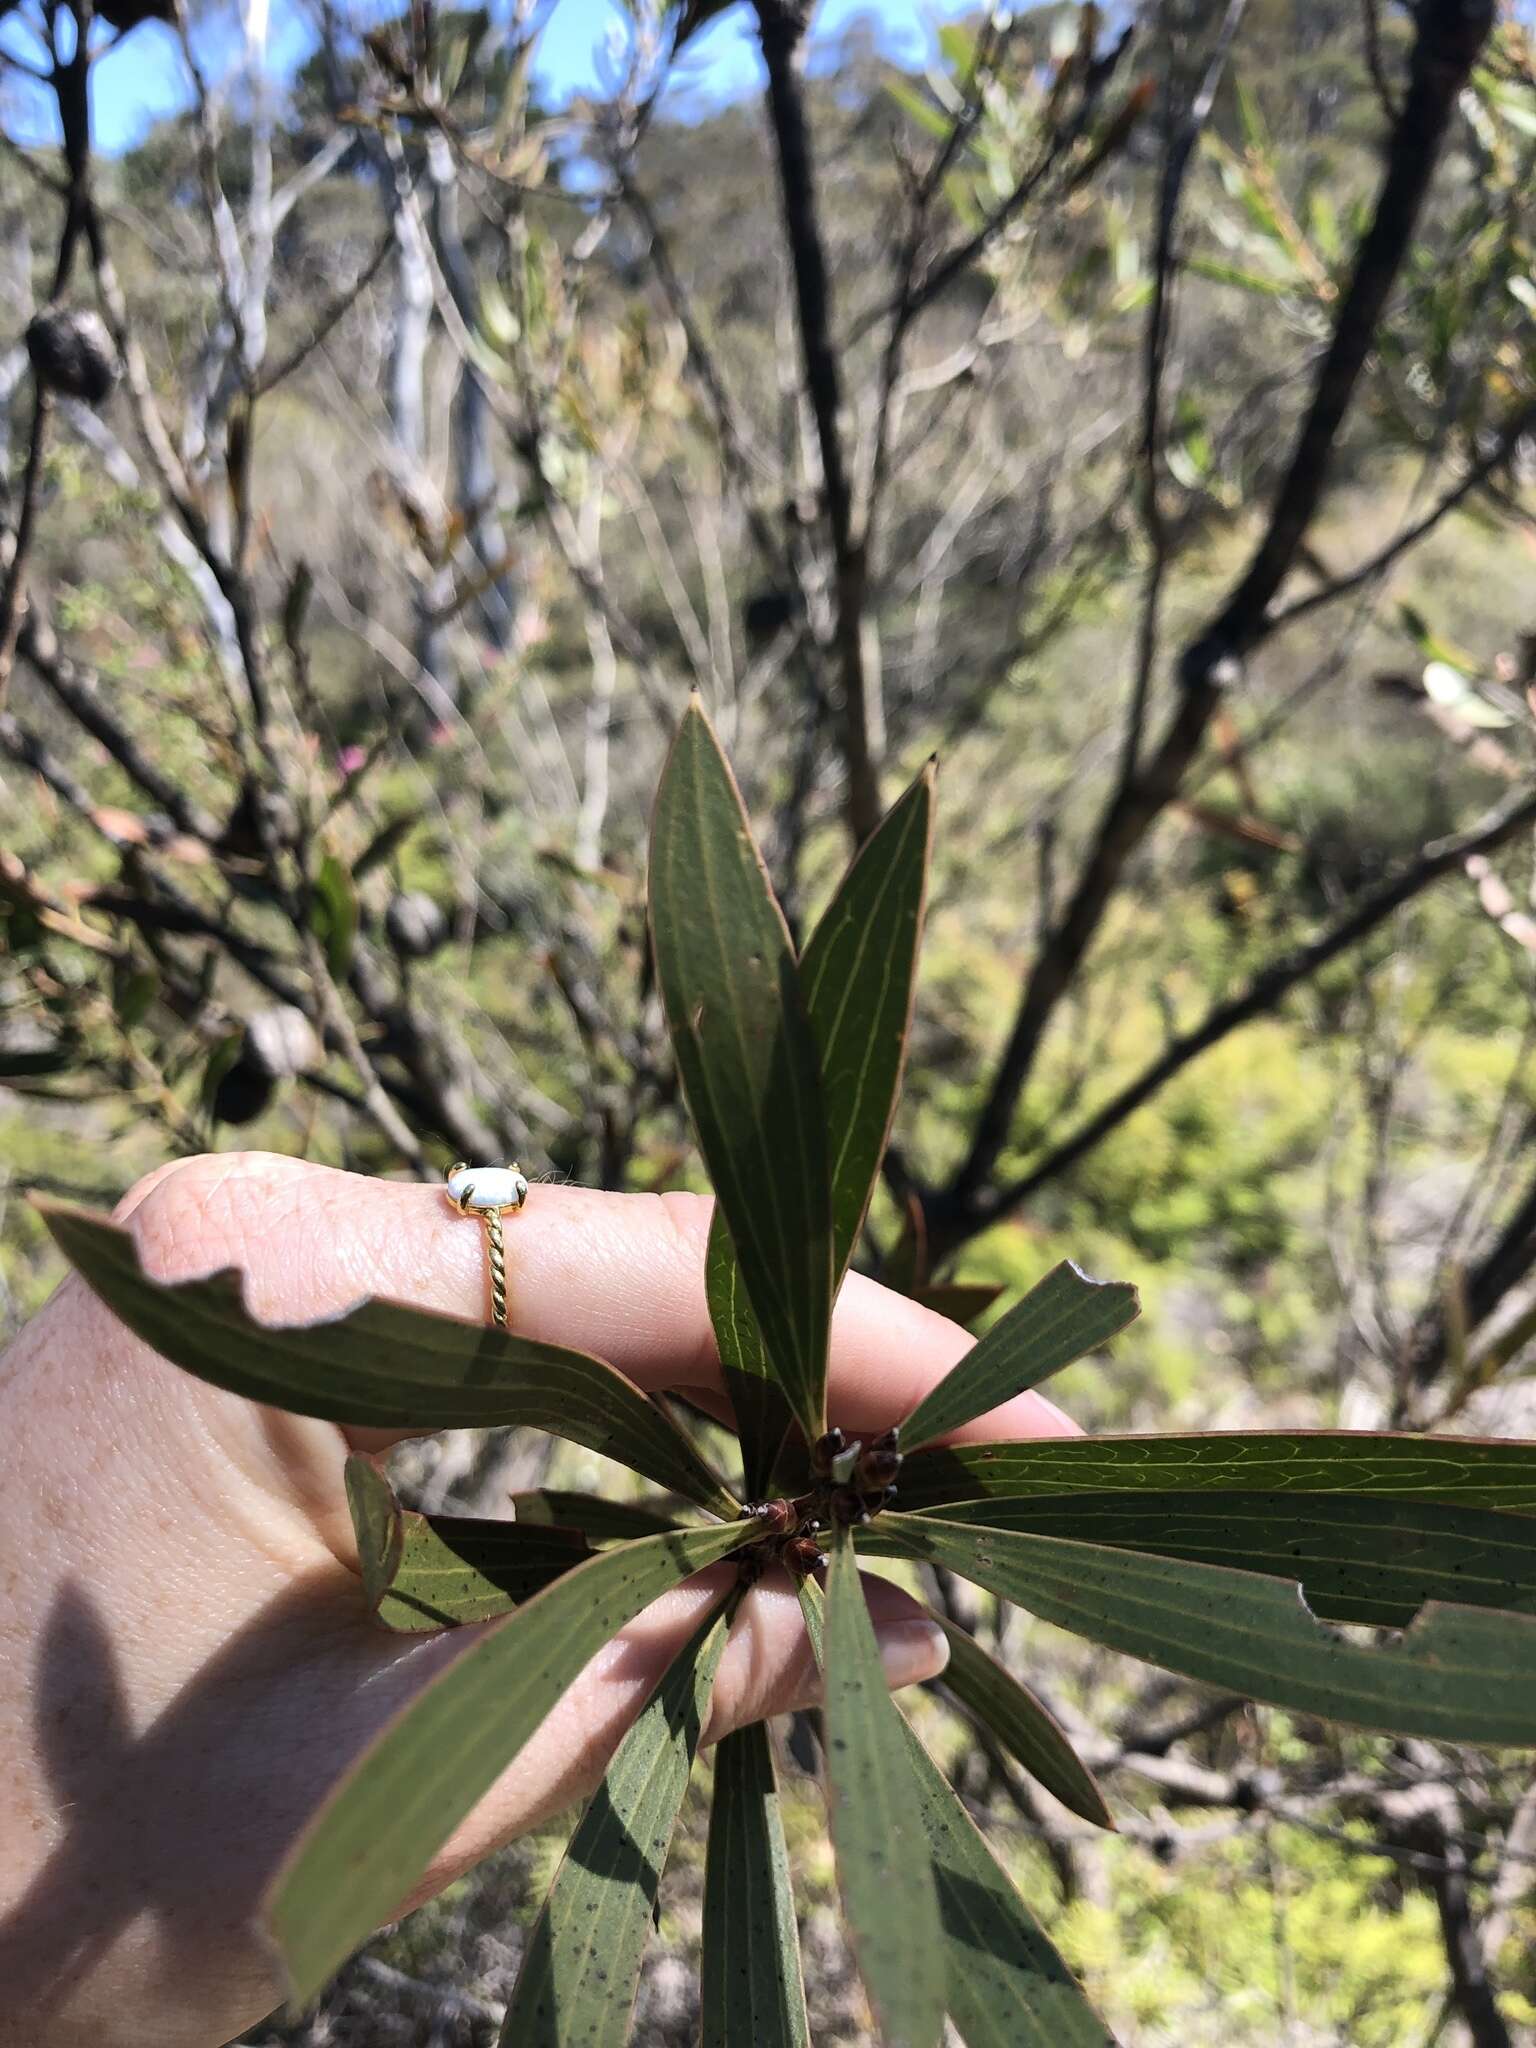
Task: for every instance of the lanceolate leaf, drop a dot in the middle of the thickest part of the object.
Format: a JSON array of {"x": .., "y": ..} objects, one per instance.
[
  {"x": 1021, "y": 1724},
  {"x": 1480, "y": 1472},
  {"x": 385, "y": 1364},
  {"x": 858, "y": 973},
  {"x": 1059, "y": 1320},
  {"x": 883, "y": 1864},
  {"x": 746, "y": 1055},
  {"x": 1459, "y": 1674},
  {"x": 751, "y": 1993},
  {"x": 425, "y": 1572},
  {"x": 1007, "y": 1987},
  {"x": 601, "y": 1520},
  {"x": 380, "y": 1829},
  {"x": 758, "y": 1402},
  {"x": 577, "y": 1983},
  {"x": 1359, "y": 1560}
]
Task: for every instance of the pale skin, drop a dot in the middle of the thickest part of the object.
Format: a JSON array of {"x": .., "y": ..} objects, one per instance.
[{"x": 186, "y": 1665}]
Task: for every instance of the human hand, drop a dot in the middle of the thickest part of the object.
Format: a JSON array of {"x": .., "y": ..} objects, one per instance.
[{"x": 186, "y": 1664}]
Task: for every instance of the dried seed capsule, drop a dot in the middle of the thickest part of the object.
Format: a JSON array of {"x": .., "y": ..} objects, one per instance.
[
  {"x": 71, "y": 353},
  {"x": 824, "y": 1450},
  {"x": 878, "y": 1468}
]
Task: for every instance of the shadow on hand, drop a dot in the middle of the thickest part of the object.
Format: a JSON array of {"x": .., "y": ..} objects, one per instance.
[{"x": 187, "y": 1821}]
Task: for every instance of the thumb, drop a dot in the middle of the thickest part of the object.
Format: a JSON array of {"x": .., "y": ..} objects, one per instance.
[{"x": 768, "y": 1667}]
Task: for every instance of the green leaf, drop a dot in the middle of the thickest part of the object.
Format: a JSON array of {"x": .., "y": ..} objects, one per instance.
[
  {"x": 1060, "y": 1319},
  {"x": 859, "y": 975},
  {"x": 1480, "y": 1472},
  {"x": 883, "y": 1865},
  {"x": 333, "y": 914},
  {"x": 134, "y": 989},
  {"x": 1460, "y": 1674},
  {"x": 1021, "y": 1724},
  {"x": 1218, "y": 272},
  {"x": 383, "y": 1364},
  {"x": 1361, "y": 1560},
  {"x": 932, "y": 119},
  {"x": 758, "y": 1403},
  {"x": 379, "y": 1830},
  {"x": 22, "y": 1062},
  {"x": 751, "y": 1993},
  {"x": 746, "y": 1055},
  {"x": 1007, "y": 1986},
  {"x": 576, "y": 1987},
  {"x": 424, "y": 1572},
  {"x": 599, "y": 1519}
]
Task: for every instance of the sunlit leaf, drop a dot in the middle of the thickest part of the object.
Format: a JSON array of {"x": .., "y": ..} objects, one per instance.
[
  {"x": 1059, "y": 1320},
  {"x": 1029, "y": 1734},
  {"x": 426, "y": 1572},
  {"x": 379, "y": 1830},
  {"x": 883, "y": 1864},
  {"x": 751, "y": 1993},
  {"x": 859, "y": 973},
  {"x": 383, "y": 1364},
  {"x": 1370, "y": 1561},
  {"x": 1460, "y": 1674},
  {"x": 333, "y": 914},
  {"x": 1481, "y": 1472},
  {"x": 746, "y": 1055},
  {"x": 581, "y": 1966},
  {"x": 1006, "y": 1985}
]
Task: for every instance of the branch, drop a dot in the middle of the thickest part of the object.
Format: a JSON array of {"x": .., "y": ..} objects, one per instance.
[
  {"x": 77, "y": 691},
  {"x": 1263, "y": 993},
  {"x": 782, "y": 26},
  {"x": 1159, "y": 329},
  {"x": 335, "y": 309},
  {"x": 1504, "y": 445},
  {"x": 13, "y": 594},
  {"x": 1449, "y": 37}
]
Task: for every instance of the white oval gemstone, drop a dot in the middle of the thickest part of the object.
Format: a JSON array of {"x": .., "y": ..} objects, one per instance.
[{"x": 488, "y": 1187}]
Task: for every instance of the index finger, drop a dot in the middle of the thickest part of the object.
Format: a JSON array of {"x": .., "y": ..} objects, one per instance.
[{"x": 618, "y": 1275}]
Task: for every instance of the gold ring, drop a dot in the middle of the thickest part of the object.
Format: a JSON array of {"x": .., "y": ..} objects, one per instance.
[{"x": 490, "y": 1192}]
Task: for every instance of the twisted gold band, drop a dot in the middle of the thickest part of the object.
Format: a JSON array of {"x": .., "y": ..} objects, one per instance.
[
  {"x": 490, "y": 1192},
  {"x": 496, "y": 1251}
]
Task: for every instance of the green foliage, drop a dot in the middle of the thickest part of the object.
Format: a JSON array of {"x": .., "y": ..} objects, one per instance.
[{"x": 1196, "y": 1554}]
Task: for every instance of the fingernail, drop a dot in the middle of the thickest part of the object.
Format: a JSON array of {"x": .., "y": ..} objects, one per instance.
[{"x": 912, "y": 1650}]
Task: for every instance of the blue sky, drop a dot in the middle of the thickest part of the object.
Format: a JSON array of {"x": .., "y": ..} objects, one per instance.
[{"x": 142, "y": 80}]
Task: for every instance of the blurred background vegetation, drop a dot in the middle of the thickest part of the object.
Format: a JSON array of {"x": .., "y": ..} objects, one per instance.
[{"x": 1137, "y": 406}]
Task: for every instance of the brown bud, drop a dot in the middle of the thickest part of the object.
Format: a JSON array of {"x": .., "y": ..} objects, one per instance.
[
  {"x": 775, "y": 1516},
  {"x": 71, "y": 353},
  {"x": 877, "y": 1469},
  {"x": 848, "y": 1506},
  {"x": 804, "y": 1555},
  {"x": 824, "y": 1450}
]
